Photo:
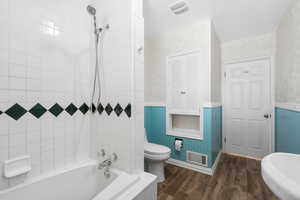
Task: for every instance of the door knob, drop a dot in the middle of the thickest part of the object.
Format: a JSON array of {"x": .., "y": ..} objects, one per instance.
[
  {"x": 140, "y": 49},
  {"x": 267, "y": 116}
]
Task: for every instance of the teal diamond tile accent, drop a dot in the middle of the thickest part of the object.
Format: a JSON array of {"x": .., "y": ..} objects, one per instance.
[
  {"x": 16, "y": 111},
  {"x": 128, "y": 110},
  {"x": 84, "y": 108},
  {"x": 56, "y": 110},
  {"x": 108, "y": 109},
  {"x": 118, "y": 110},
  {"x": 93, "y": 108},
  {"x": 100, "y": 108},
  {"x": 38, "y": 110},
  {"x": 71, "y": 109}
]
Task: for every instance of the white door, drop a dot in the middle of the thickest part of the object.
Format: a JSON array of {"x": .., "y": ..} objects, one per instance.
[{"x": 248, "y": 108}]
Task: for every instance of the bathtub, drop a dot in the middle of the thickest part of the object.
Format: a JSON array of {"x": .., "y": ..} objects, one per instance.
[{"x": 83, "y": 182}]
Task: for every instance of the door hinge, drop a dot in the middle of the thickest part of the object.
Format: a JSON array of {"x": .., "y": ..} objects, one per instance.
[
  {"x": 225, "y": 139},
  {"x": 225, "y": 75}
]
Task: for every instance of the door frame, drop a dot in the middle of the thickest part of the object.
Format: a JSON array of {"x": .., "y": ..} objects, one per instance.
[{"x": 271, "y": 60}]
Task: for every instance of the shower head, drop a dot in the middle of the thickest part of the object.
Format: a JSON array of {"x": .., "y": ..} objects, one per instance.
[{"x": 91, "y": 10}]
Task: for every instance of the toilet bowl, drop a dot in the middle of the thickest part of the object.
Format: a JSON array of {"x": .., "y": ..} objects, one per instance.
[{"x": 155, "y": 156}]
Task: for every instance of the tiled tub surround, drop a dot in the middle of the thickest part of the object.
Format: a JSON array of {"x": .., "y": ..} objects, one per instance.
[
  {"x": 44, "y": 81},
  {"x": 211, "y": 145}
]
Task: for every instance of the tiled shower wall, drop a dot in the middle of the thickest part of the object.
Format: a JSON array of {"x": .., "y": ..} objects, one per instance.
[
  {"x": 44, "y": 61},
  {"x": 122, "y": 78}
]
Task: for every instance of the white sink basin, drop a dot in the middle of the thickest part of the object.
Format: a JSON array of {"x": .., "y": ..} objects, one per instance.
[{"x": 281, "y": 172}]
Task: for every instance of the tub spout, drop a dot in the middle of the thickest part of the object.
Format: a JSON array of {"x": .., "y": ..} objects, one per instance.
[
  {"x": 105, "y": 164},
  {"x": 108, "y": 162}
]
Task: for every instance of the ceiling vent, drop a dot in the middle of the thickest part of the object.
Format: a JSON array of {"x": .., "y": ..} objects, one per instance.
[{"x": 179, "y": 7}]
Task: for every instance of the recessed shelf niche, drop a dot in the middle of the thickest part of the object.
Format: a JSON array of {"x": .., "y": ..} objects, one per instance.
[{"x": 185, "y": 125}]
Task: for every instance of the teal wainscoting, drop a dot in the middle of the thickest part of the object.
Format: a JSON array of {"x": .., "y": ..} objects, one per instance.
[
  {"x": 287, "y": 131},
  {"x": 155, "y": 124}
]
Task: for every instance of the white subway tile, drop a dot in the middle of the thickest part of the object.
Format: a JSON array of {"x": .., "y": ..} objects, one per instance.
[
  {"x": 17, "y": 151},
  {"x": 33, "y": 84},
  {"x": 4, "y": 84},
  {"x": 16, "y": 70},
  {"x": 4, "y": 97},
  {"x": 3, "y": 68},
  {"x": 17, "y": 127},
  {"x": 3, "y": 143},
  {"x": 17, "y": 96},
  {"x": 17, "y": 140},
  {"x": 47, "y": 162},
  {"x": 17, "y": 83},
  {"x": 3, "y": 153}
]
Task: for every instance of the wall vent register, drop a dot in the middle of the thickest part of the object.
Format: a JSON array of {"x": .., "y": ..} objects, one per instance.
[{"x": 197, "y": 158}]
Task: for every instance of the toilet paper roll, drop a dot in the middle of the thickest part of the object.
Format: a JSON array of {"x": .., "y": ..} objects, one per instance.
[{"x": 178, "y": 145}]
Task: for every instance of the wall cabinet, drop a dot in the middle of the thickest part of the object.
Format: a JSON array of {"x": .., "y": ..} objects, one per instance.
[
  {"x": 183, "y": 78},
  {"x": 183, "y": 95}
]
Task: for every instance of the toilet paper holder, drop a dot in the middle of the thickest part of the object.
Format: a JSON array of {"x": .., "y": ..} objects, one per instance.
[{"x": 178, "y": 139}]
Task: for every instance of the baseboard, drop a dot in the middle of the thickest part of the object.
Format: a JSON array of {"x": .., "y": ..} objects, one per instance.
[
  {"x": 197, "y": 168},
  {"x": 243, "y": 156},
  {"x": 215, "y": 165}
]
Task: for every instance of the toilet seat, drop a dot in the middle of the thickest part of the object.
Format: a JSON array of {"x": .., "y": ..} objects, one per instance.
[
  {"x": 156, "y": 149},
  {"x": 161, "y": 157},
  {"x": 156, "y": 152}
]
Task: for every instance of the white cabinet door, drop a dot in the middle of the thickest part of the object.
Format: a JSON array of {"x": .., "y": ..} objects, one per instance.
[
  {"x": 176, "y": 83},
  {"x": 183, "y": 81},
  {"x": 248, "y": 108},
  {"x": 192, "y": 81}
]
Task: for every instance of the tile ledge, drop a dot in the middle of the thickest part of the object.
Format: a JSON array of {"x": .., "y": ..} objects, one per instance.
[
  {"x": 211, "y": 105},
  {"x": 288, "y": 106},
  {"x": 155, "y": 104}
]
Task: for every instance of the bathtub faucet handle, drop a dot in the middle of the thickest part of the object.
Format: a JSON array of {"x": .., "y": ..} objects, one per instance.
[
  {"x": 101, "y": 153},
  {"x": 114, "y": 157}
]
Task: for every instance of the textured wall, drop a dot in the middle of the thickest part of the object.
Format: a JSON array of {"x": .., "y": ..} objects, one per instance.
[
  {"x": 155, "y": 124},
  {"x": 248, "y": 48},
  {"x": 288, "y": 58},
  {"x": 216, "y": 67},
  {"x": 44, "y": 58},
  {"x": 158, "y": 47}
]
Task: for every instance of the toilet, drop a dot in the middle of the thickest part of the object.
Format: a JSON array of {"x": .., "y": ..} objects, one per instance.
[{"x": 155, "y": 156}]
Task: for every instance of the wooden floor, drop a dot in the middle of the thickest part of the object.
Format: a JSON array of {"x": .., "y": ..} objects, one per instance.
[{"x": 236, "y": 178}]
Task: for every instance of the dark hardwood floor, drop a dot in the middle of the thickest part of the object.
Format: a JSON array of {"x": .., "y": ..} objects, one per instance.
[{"x": 236, "y": 178}]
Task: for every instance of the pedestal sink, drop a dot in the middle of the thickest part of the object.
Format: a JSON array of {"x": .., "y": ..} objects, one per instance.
[{"x": 281, "y": 172}]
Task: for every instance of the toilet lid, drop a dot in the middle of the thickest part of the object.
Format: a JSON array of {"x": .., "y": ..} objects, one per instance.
[{"x": 156, "y": 149}]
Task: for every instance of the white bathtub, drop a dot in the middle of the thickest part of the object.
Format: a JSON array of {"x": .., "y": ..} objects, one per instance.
[{"x": 84, "y": 182}]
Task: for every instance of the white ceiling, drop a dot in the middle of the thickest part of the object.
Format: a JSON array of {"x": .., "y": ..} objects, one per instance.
[{"x": 233, "y": 19}]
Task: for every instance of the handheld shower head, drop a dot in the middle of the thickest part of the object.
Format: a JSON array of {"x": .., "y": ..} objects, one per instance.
[{"x": 91, "y": 10}]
